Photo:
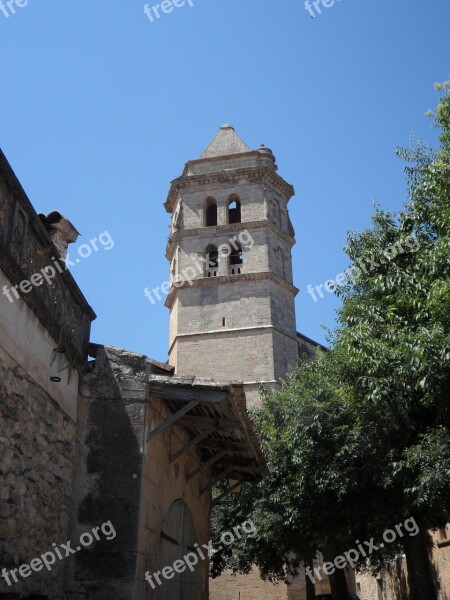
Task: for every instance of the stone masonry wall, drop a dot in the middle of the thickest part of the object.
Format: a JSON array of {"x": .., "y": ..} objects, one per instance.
[
  {"x": 124, "y": 479},
  {"x": 109, "y": 458},
  {"x": 250, "y": 195},
  {"x": 36, "y": 450},
  {"x": 44, "y": 333},
  {"x": 245, "y": 587},
  {"x": 242, "y": 304},
  {"x": 396, "y": 577},
  {"x": 254, "y": 244},
  {"x": 238, "y": 356},
  {"x": 441, "y": 560}
]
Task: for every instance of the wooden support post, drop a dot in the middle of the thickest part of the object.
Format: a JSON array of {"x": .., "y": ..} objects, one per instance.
[
  {"x": 171, "y": 420},
  {"x": 201, "y": 436},
  {"x": 227, "y": 492},
  {"x": 206, "y": 465}
]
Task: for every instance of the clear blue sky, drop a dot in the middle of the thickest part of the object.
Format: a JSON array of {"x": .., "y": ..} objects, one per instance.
[{"x": 100, "y": 109}]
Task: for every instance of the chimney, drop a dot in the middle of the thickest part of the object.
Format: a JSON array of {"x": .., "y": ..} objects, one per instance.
[{"x": 61, "y": 231}]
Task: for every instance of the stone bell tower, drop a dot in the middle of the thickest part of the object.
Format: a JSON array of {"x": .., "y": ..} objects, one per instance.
[{"x": 232, "y": 313}]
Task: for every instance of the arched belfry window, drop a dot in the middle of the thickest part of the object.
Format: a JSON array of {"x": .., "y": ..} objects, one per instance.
[
  {"x": 212, "y": 261},
  {"x": 234, "y": 210},
  {"x": 236, "y": 261},
  {"x": 178, "y": 538},
  {"x": 211, "y": 213}
]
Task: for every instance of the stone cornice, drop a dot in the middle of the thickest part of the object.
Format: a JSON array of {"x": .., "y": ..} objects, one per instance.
[
  {"x": 257, "y": 172},
  {"x": 220, "y": 159},
  {"x": 182, "y": 234},
  {"x": 224, "y": 279}
]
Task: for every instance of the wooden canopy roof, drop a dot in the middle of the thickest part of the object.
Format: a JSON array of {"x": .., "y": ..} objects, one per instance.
[{"x": 220, "y": 429}]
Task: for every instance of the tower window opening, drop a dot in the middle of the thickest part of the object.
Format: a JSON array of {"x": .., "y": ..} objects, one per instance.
[
  {"x": 212, "y": 261},
  {"x": 234, "y": 211},
  {"x": 211, "y": 213},
  {"x": 236, "y": 261},
  {"x": 223, "y": 321},
  {"x": 276, "y": 217}
]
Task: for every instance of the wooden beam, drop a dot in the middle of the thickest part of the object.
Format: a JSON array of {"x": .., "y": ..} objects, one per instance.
[
  {"x": 227, "y": 492},
  {"x": 202, "y": 422},
  {"x": 239, "y": 461},
  {"x": 228, "y": 471},
  {"x": 225, "y": 445},
  {"x": 171, "y": 420},
  {"x": 187, "y": 394},
  {"x": 201, "y": 436},
  {"x": 206, "y": 465}
]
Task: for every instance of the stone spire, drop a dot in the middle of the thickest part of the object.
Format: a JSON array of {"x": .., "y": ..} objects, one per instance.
[{"x": 226, "y": 142}]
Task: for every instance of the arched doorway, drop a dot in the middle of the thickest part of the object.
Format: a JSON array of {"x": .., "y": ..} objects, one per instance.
[{"x": 178, "y": 539}]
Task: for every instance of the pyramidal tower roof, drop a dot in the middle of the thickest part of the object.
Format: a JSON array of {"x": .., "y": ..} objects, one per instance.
[{"x": 226, "y": 142}]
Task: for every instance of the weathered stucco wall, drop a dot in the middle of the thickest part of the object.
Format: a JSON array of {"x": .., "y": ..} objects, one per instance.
[{"x": 23, "y": 337}]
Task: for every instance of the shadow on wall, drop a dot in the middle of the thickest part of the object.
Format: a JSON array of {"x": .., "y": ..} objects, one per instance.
[
  {"x": 17, "y": 596},
  {"x": 114, "y": 464},
  {"x": 399, "y": 583}
]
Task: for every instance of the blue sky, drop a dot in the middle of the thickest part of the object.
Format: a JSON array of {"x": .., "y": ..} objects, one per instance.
[{"x": 100, "y": 109}]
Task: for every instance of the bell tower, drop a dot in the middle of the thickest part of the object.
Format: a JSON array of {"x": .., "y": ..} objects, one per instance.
[{"x": 231, "y": 301}]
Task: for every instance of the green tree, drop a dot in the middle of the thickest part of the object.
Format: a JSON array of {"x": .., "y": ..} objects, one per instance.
[
  {"x": 358, "y": 440},
  {"x": 317, "y": 495},
  {"x": 394, "y": 330}
]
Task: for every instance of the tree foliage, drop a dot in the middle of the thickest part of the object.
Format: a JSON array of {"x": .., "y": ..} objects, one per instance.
[{"x": 358, "y": 440}]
